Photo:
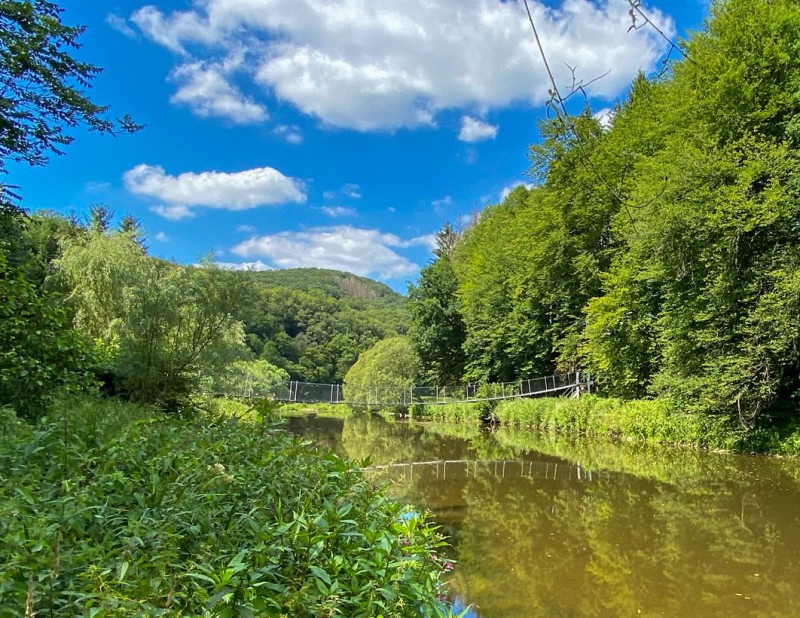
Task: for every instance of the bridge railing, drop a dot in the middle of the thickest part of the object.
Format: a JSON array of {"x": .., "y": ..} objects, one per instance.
[{"x": 403, "y": 396}]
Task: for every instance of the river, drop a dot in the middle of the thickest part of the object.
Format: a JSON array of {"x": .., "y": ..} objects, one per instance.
[{"x": 551, "y": 528}]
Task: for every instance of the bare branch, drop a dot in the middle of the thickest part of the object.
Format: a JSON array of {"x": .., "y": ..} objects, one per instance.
[{"x": 636, "y": 11}]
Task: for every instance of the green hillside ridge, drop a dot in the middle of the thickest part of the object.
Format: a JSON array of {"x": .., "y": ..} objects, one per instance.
[
  {"x": 334, "y": 283},
  {"x": 314, "y": 322}
]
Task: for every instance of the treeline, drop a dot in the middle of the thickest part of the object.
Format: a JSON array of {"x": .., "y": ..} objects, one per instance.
[
  {"x": 85, "y": 303},
  {"x": 662, "y": 253}
]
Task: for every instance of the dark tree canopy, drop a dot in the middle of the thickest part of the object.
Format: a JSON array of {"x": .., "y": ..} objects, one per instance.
[{"x": 42, "y": 86}]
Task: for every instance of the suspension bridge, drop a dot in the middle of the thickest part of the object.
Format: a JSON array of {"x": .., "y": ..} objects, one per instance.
[
  {"x": 571, "y": 384},
  {"x": 466, "y": 468}
]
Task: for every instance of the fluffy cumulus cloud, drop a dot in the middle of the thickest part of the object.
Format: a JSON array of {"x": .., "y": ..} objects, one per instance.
[
  {"x": 179, "y": 195},
  {"x": 476, "y": 130},
  {"x": 383, "y": 64},
  {"x": 343, "y": 247},
  {"x": 206, "y": 89}
]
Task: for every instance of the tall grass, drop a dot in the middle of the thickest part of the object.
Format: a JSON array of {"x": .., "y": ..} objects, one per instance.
[{"x": 650, "y": 420}]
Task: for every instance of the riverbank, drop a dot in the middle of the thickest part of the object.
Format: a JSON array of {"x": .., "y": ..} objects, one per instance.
[
  {"x": 116, "y": 509},
  {"x": 642, "y": 420}
]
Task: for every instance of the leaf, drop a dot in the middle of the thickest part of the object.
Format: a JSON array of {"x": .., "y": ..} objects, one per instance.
[{"x": 321, "y": 574}]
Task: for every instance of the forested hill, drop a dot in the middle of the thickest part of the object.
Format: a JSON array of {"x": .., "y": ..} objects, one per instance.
[
  {"x": 337, "y": 284},
  {"x": 314, "y": 322}
]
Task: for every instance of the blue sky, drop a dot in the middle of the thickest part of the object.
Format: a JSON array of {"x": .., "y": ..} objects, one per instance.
[{"x": 338, "y": 134}]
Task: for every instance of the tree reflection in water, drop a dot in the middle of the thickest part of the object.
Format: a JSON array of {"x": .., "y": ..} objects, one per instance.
[{"x": 656, "y": 532}]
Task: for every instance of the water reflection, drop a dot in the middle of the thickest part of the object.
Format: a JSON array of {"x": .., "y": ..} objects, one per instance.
[{"x": 551, "y": 528}]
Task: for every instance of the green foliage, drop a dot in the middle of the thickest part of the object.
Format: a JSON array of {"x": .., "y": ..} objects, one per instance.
[
  {"x": 661, "y": 254},
  {"x": 314, "y": 323},
  {"x": 531, "y": 263},
  {"x": 177, "y": 325},
  {"x": 383, "y": 374},
  {"x": 256, "y": 378},
  {"x": 437, "y": 328},
  {"x": 42, "y": 84},
  {"x": 40, "y": 354},
  {"x": 640, "y": 419},
  {"x": 160, "y": 326},
  {"x": 450, "y": 413},
  {"x": 110, "y": 510}
]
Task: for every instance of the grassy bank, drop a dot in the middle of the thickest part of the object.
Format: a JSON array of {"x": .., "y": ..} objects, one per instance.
[
  {"x": 642, "y": 420},
  {"x": 108, "y": 509}
]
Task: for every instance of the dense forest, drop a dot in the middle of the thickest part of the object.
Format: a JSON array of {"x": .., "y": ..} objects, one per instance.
[
  {"x": 154, "y": 331},
  {"x": 661, "y": 252},
  {"x": 314, "y": 323}
]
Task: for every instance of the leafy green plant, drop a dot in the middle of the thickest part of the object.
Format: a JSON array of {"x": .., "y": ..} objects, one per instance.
[
  {"x": 40, "y": 353},
  {"x": 107, "y": 509}
]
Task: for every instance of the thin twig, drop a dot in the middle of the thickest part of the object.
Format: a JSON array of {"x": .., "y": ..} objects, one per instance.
[
  {"x": 636, "y": 8},
  {"x": 558, "y": 105}
]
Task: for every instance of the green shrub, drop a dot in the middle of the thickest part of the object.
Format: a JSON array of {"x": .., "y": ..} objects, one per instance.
[
  {"x": 449, "y": 412},
  {"x": 111, "y": 510},
  {"x": 40, "y": 353}
]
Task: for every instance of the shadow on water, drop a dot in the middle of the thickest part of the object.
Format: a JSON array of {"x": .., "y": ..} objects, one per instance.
[{"x": 547, "y": 527}]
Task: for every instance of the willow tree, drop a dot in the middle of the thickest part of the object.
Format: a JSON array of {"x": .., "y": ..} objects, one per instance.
[
  {"x": 383, "y": 374},
  {"x": 158, "y": 326}
]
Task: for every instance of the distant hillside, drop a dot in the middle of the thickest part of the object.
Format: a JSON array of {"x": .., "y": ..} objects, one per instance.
[
  {"x": 333, "y": 283},
  {"x": 315, "y": 322}
]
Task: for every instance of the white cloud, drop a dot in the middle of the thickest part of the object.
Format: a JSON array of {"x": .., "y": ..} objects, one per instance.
[
  {"x": 172, "y": 33},
  {"x": 605, "y": 117},
  {"x": 338, "y": 211},
  {"x": 349, "y": 190},
  {"x": 289, "y": 133},
  {"x": 260, "y": 186},
  {"x": 206, "y": 89},
  {"x": 257, "y": 265},
  {"x": 173, "y": 212},
  {"x": 356, "y": 250},
  {"x": 426, "y": 240},
  {"x": 476, "y": 130},
  {"x": 247, "y": 229},
  {"x": 382, "y": 64},
  {"x": 447, "y": 200},
  {"x": 161, "y": 237},
  {"x": 120, "y": 25}
]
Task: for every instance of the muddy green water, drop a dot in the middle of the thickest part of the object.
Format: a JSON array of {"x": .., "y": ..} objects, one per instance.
[{"x": 546, "y": 527}]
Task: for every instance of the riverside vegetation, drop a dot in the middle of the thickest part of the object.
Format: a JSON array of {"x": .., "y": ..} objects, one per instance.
[
  {"x": 122, "y": 491},
  {"x": 112, "y": 509}
]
